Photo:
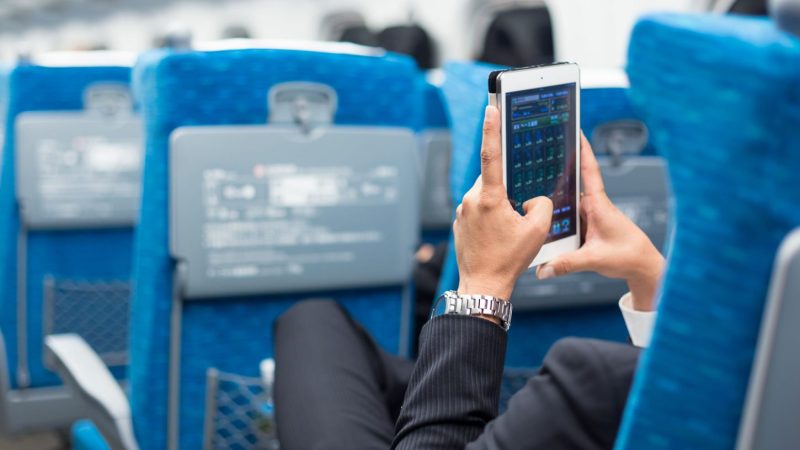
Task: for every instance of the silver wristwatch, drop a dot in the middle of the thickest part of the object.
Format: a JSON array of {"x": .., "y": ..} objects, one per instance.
[{"x": 475, "y": 305}]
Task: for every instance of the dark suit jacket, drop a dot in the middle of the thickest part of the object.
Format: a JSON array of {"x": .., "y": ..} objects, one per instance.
[{"x": 575, "y": 402}]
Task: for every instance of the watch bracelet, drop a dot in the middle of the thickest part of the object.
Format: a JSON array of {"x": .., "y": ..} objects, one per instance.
[{"x": 476, "y": 304}]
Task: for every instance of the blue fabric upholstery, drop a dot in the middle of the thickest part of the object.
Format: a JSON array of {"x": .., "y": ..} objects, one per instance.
[
  {"x": 435, "y": 118},
  {"x": 233, "y": 334},
  {"x": 532, "y": 333},
  {"x": 720, "y": 95},
  {"x": 85, "y": 436},
  {"x": 602, "y": 105},
  {"x": 435, "y": 111},
  {"x": 77, "y": 255}
]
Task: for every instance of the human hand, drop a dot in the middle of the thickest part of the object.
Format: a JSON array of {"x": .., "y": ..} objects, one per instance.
[
  {"x": 494, "y": 243},
  {"x": 614, "y": 246}
]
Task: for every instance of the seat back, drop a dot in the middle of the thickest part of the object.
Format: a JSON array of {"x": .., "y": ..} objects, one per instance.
[
  {"x": 605, "y": 100},
  {"x": 730, "y": 144},
  {"x": 411, "y": 39},
  {"x": 283, "y": 212},
  {"x": 773, "y": 402},
  {"x": 176, "y": 338},
  {"x": 68, "y": 201},
  {"x": 580, "y": 304},
  {"x": 786, "y": 13},
  {"x": 514, "y": 33},
  {"x": 435, "y": 149},
  {"x": 346, "y": 25}
]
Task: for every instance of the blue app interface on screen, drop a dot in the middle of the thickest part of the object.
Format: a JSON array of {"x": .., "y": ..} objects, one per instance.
[{"x": 540, "y": 135}]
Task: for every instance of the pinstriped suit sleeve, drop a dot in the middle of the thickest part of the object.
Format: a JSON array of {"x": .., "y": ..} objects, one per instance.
[
  {"x": 455, "y": 388},
  {"x": 575, "y": 402}
]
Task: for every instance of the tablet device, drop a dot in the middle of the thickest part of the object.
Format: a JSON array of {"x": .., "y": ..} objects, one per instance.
[{"x": 540, "y": 112}]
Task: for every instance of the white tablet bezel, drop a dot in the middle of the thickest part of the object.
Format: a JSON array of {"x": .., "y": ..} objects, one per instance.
[{"x": 533, "y": 78}]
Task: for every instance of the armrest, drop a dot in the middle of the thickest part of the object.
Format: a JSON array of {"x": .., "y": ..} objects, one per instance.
[{"x": 83, "y": 370}]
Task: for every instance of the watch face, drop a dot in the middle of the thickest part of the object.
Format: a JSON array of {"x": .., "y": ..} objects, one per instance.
[
  {"x": 451, "y": 303},
  {"x": 445, "y": 304},
  {"x": 439, "y": 306}
]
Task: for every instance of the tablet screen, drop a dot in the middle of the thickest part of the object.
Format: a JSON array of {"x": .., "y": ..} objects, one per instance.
[{"x": 541, "y": 129}]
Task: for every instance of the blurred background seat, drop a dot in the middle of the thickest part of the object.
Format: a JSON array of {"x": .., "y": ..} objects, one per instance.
[
  {"x": 435, "y": 149},
  {"x": 730, "y": 146},
  {"x": 512, "y": 32},
  {"x": 222, "y": 323},
  {"x": 68, "y": 203},
  {"x": 346, "y": 25},
  {"x": 409, "y": 38}
]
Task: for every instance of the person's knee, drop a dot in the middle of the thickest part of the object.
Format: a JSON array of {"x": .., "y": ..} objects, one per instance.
[{"x": 308, "y": 314}]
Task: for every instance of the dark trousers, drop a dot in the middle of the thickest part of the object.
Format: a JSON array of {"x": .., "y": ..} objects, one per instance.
[{"x": 334, "y": 387}]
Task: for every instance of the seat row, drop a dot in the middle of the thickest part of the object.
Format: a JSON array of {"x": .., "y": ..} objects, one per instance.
[
  {"x": 254, "y": 176},
  {"x": 265, "y": 174}
]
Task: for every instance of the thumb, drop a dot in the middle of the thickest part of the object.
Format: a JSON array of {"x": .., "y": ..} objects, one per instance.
[
  {"x": 539, "y": 212},
  {"x": 565, "y": 264}
]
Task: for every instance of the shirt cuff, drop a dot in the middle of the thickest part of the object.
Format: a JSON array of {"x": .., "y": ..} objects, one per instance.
[{"x": 639, "y": 323}]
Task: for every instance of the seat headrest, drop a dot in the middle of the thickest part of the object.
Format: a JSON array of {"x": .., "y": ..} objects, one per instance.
[
  {"x": 786, "y": 14},
  {"x": 718, "y": 94}
]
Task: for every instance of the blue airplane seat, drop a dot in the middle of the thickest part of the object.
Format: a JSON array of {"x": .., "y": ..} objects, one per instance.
[
  {"x": 605, "y": 97},
  {"x": 55, "y": 278},
  {"x": 533, "y": 331},
  {"x": 435, "y": 146},
  {"x": 231, "y": 334},
  {"x": 719, "y": 96},
  {"x": 435, "y": 110}
]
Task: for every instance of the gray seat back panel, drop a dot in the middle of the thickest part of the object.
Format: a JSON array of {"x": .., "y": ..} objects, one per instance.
[
  {"x": 266, "y": 209},
  {"x": 437, "y": 206},
  {"x": 78, "y": 170}
]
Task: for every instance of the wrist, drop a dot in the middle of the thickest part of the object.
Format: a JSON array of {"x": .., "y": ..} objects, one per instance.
[
  {"x": 643, "y": 283},
  {"x": 498, "y": 290}
]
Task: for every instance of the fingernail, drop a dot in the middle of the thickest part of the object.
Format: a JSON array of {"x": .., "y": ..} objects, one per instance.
[
  {"x": 546, "y": 272},
  {"x": 486, "y": 112}
]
